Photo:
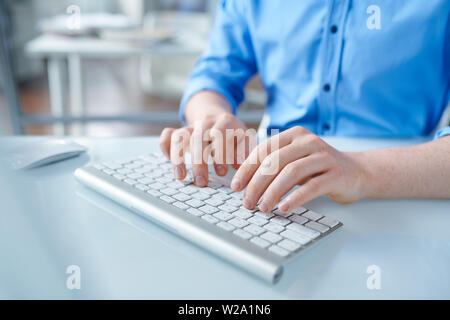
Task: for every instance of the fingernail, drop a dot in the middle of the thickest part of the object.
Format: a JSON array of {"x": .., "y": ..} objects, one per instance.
[
  {"x": 263, "y": 207},
  {"x": 247, "y": 203},
  {"x": 284, "y": 205},
  {"x": 235, "y": 184},
  {"x": 220, "y": 170},
  {"x": 178, "y": 173},
  {"x": 200, "y": 181}
]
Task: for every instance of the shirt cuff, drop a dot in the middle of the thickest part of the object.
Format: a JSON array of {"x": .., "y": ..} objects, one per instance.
[
  {"x": 442, "y": 133},
  {"x": 197, "y": 85}
]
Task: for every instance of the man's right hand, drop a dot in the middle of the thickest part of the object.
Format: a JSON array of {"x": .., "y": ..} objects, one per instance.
[{"x": 203, "y": 139}]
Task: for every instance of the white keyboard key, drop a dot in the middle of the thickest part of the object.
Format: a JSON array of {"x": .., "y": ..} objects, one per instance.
[
  {"x": 221, "y": 196},
  {"x": 214, "y": 184},
  {"x": 298, "y": 219},
  {"x": 209, "y": 190},
  {"x": 195, "y": 203},
  {"x": 225, "y": 190},
  {"x": 280, "y": 220},
  {"x": 260, "y": 242},
  {"x": 276, "y": 228},
  {"x": 210, "y": 219},
  {"x": 238, "y": 222},
  {"x": 200, "y": 196},
  {"x": 146, "y": 180},
  {"x": 265, "y": 215},
  {"x": 282, "y": 214},
  {"x": 278, "y": 251},
  {"x": 234, "y": 202},
  {"x": 226, "y": 226},
  {"x": 213, "y": 202},
  {"x": 208, "y": 209},
  {"x": 142, "y": 170},
  {"x": 242, "y": 234},
  {"x": 169, "y": 191},
  {"x": 289, "y": 245},
  {"x": 248, "y": 210},
  {"x": 242, "y": 214},
  {"x": 167, "y": 199},
  {"x": 181, "y": 205},
  {"x": 142, "y": 187},
  {"x": 124, "y": 171},
  {"x": 157, "y": 186},
  {"x": 164, "y": 180},
  {"x": 237, "y": 195},
  {"x": 154, "y": 192},
  {"x": 255, "y": 230},
  {"x": 294, "y": 236},
  {"x": 108, "y": 171},
  {"x": 311, "y": 215},
  {"x": 98, "y": 166},
  {"x": 258, "y": 221},
  {"x": 130, "y": 181},
  {"x": 132, "y": 165},
  {"x": 135, "y": 176},
  {"x": 306, "y": 232},
  {"x": 195, "y": 212},
  {"x": 227, "y": 208},
  {"x": 271, "y": 237},
  {"x": 181, "y": 197},
  {"x": 119, "y": 176},
  {"x": 223, "y": 216},
  {"x": 299, "y": 210},
  {"x": 177, "y": 184},
  {"x": 112, "y": 165},
  {"x": 329, "y": 222},
  {"x": 317, "y": 226}
]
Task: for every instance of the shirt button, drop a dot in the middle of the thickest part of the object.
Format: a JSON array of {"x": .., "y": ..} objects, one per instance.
[
  {"x": 326, "y": 126},
  {"x": 326, "y": 87},
  {"x": 334, "y": 29}
]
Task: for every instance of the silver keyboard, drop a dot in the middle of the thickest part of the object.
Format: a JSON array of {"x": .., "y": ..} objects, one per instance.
[{"x": 280, "y": 234}]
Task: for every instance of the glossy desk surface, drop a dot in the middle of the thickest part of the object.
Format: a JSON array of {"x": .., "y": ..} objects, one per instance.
[{"x": 49, "y": 221}]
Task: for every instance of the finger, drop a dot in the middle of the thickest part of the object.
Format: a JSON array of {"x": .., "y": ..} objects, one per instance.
[
  {"x": 272, "y": 165},
  {"x": 164, "y": 141},
  {"x": 290, "y": 176},
  {"x": 200, "y": 150},
  {"x": 179, "y": 143},
  {"x": 219, "y": 149},
  {"x": 315, "y": 187}
]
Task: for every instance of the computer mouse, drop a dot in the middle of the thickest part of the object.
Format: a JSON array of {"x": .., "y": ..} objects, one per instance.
[{"x": 42, "y": 152}]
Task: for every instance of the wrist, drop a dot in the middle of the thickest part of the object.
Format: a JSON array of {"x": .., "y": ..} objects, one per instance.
[{"x": 366, "y": 180}]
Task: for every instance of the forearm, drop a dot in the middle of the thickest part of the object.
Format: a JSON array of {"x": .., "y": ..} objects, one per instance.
[
  {"x": 205, "y": 104},
  {"x": 421, "y": 171}
]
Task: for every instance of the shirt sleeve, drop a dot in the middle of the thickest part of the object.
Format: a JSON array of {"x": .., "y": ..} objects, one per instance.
[
  {"x": 443, "y": 132},
  {"x": 228, "y": 62}
]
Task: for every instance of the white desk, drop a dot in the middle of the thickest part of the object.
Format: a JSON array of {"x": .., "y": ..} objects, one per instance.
[{"x": 48, "y": 221}]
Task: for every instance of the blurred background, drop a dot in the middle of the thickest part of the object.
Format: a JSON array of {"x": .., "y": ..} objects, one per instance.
[{"x": 103, "y": 67}]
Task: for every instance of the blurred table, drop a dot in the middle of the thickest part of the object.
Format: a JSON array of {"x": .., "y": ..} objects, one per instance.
[{"x": 49, "y": 221}]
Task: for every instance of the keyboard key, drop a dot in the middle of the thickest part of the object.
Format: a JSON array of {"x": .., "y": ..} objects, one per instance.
[
  {"x": 311, "y": 215},
  {"x": 247, "y": 210},
  {"x": 298, "y": 219},
  {"x": 279, "y": 251},
  {"x": 142, "y": 187},
  {"x": 329, "y": 222},
  {"x": 181, "y": 205},
  {"x": 164, "y": 180},
  {"x": 242, "y": 234},
  {"x": 273, "y": 227},
  {"x": 227, "y": 208},
  {"x": 282, "y": 214},
  {"x": 317, "y": 226},
  {"x": 280, "y": 220},
  {"x": 195, "y": 203},
  {"x": 271, "y": 237},
  {"x": 208, "y": 209},
  {"x": 108, "y": 171},
  {"x": 225, "y": 190},
  {"x": 154, "y": 192},
  {"x": 304, "y": 231},
  {"x": 167, "y": 199},
  {"x": 135, "y": 176},
  {"x": 221, "y": 196},
  {"x": 238, "y": 222},
  {"x": 299, "y": 210},
  {"x": 242, "y": 214},
  {"x": 258, "y": 221},
  {"x": 169, "y": 191},
  {"x": 124, "y": 171},
  {"x": 260, "y": 242},
  {"x": 255, "y": 230},
  {"x": 195, "y": 212},
  {"x": 200, "y": 196},
  {"x": 181, "y": 197},
  {"x": 223, "y": 216},
  {"x": 213, "y": 202},
  {"x": 146, "y": 180},
  {"x": 189, "y": 190},
  {"x": 209, "y": 190},
  {"x": 237, "y": 195},
  {"x": 112, "y": 165},
  {"x": 119, "y": 176},
  {"x": 294, "y": 236},
  {"x": 157, "y": 186},
  {"x": 210, "y": 219},
  {"x": 225, "y": 226},
  {"x": 234, "y": 202},
  {"x": 98, "y": 166},
  {"x": 264, "y": 215},
  {"x": 130, "y": 181},
  {"x": 289, "y": 245}
]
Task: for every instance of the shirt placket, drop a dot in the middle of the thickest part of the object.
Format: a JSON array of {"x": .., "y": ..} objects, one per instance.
[{"x": 331, "y": 59}]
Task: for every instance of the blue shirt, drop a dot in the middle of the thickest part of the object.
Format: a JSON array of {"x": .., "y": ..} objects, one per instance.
[{"x": 374, "y": 68}]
